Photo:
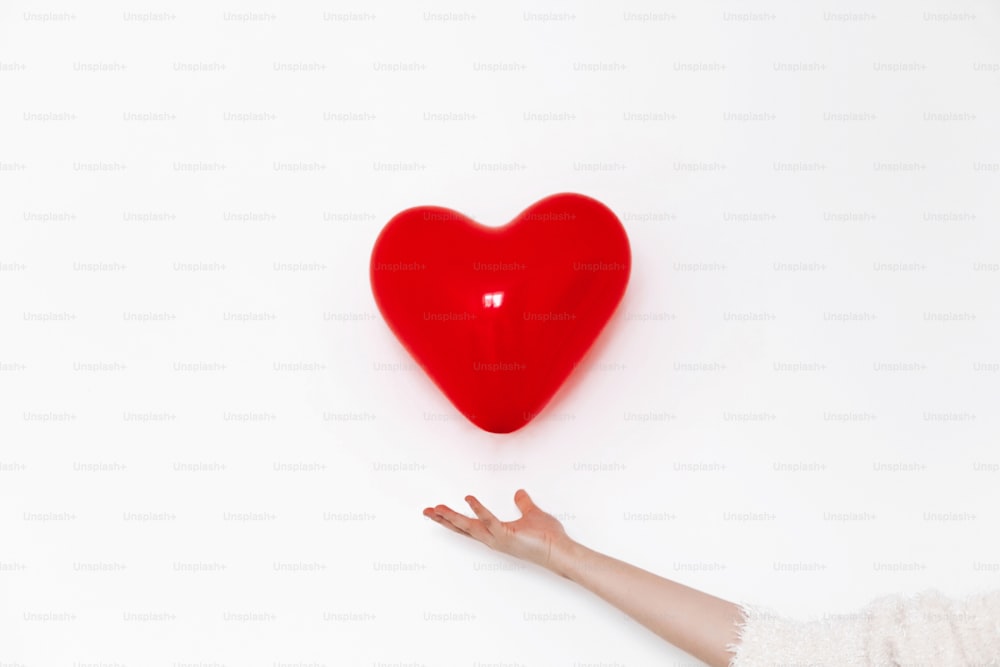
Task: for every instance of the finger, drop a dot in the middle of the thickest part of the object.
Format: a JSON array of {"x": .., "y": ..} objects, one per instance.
[
  {"x": 447, "y": 524},
  {"x": 430, "y": 513},
  {"x": 486, "y": 516},
  {"x": 523, "y": 501},
  {"x": 458, "y": 520},
  {"x": 463, "y": 523}
]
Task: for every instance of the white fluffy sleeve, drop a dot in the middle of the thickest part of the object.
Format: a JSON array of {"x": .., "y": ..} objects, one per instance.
[{"x": 925, "y": 628}]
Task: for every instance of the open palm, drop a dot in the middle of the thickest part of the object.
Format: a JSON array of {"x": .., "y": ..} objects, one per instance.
[{"x": 535, "y": 537}]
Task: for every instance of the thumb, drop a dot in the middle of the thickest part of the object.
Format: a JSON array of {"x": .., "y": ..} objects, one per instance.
[{"x": 523, "y": 501}]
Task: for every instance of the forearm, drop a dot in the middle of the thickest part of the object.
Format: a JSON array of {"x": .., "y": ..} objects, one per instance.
[{"x": 695, "y": 622}]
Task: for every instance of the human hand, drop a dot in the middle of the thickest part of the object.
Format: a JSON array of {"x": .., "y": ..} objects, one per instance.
[{"x": 537, "y": 537}]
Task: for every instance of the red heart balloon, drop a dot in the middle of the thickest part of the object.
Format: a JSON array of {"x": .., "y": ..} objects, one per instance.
[{"x": 498, "y": 317}]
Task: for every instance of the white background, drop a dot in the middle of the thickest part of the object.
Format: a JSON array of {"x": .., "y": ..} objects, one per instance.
[{"x": 188, "y": 200}]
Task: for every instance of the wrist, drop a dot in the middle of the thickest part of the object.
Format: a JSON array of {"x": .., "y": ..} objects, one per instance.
[{"x": 564, "y": 554}]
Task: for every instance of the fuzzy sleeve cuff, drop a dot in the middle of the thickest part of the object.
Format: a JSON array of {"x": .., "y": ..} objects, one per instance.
[{"x": 925, "y": 628}]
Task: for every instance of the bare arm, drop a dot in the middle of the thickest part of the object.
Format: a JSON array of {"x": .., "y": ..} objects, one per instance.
[{"x": 695, "y": 622}]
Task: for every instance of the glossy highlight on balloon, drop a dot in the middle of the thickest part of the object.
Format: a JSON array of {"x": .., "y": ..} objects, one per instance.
[{"x": 498, "y": 317}]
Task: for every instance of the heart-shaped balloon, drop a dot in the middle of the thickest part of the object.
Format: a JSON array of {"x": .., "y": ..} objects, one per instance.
[{"x": 498, "y": 317}]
